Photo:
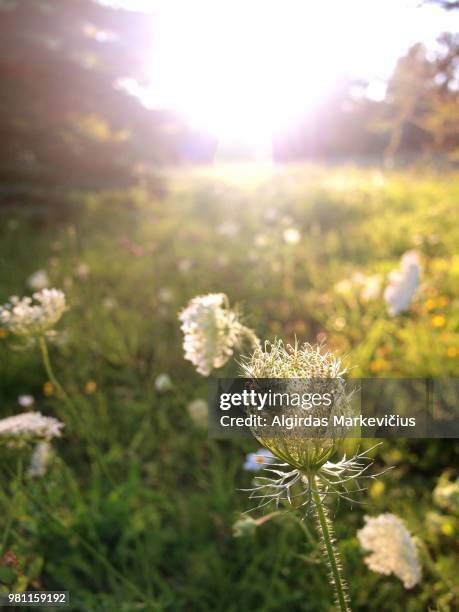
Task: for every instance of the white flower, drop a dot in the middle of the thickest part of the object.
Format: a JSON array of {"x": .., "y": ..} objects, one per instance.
[
  {"x": 391, "y": 547},
  {"x": 163, "y": 383},
  {"x": 292, "y": 235},
  {"x": 110, "y": 303},
  {"x": 82, "y": 270},
  {"x": 28, "y": 427},
  {"x": 166, "y": 295},
  {"x": 371, "y": 288},
  {"x": 403, "y": 284},
  {"x": 211, "y": 330},
  {"x": 38, "y": 280},
  {"x": 40, "y": 460},
  {"x": 27, "y": 316},
  {"x": 198, "y": 410},
  {"x": 343, "y": 287},
  {"x": 26, "y": 400}
]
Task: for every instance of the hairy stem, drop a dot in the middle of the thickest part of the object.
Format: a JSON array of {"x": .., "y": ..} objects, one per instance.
[
  {"x": 326, "y": 533},
  {"x": 77, "y": 415}
]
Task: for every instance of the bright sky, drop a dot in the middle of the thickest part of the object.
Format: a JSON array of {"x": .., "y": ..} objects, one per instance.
[{"x": 244, "y": 68}]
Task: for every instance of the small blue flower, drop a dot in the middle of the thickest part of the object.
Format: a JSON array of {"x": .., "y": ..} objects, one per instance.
[{"x": 256, "y": 461}]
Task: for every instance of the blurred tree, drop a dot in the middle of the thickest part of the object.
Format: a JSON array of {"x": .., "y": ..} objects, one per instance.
[
  {"x": 65, "y": 119},
  {"x": 449, "y": 5},
  {"x": 421, "y": 110}
]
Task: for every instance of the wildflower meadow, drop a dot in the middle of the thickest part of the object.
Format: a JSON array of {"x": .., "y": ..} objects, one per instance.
[{"x": 115, "y": 309}]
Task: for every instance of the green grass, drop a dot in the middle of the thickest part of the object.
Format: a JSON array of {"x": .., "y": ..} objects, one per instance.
[{"x": 137, "y": 509}]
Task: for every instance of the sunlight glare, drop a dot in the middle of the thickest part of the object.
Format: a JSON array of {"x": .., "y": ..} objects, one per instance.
[{"x": 244, "y": 70}]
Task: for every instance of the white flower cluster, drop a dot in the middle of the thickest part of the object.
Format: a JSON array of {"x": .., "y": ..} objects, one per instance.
[
  {"x": 27, "y": 428},
  {"x": 33, "y": 316},
  {"x": 392, "y": 548},
  {"x": 38, "y": 280},
  {"x": 403, "y": 284},
  {"x": 211, "y": 329},
  {"x": 367, "y": 286},
  {"x": 40, "y": 460}
]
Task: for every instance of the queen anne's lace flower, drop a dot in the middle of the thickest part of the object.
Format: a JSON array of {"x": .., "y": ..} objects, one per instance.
[
  {"x": 212, "y": 331},
  {"x": 277, "y": 360},
  {"x": 38, "y": 280},
  {"x": 403, "y": 284},
  {"x": 27, "y": 428},
  {"x": 40, "y": 459},
  {"x": 163, "y": 383},
  {"x": 301, "y": 369},
  {"x": 33, "y": 316},
  {"x": 198, "y": 410},
  {"x": 391, "y": 548}
]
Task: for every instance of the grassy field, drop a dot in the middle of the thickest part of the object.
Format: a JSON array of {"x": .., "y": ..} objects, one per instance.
[{"x": 137, "y": 509}]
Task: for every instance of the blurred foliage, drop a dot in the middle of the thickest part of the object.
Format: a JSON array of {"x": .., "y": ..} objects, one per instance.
[
  {"x": 65, "y": 119},
  {"x": 156, "y": 533},
  {"x": 68, "y": 121}
]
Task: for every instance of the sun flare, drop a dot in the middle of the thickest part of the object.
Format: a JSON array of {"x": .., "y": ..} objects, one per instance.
[{"x": 243, "y": 71}]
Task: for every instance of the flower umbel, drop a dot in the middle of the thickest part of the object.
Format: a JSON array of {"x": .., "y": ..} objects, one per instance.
[
  {"x": 212, "y": 331},
  {"x": 40, "y": 460},
  {"x": 33, "y": 316},
  {"x": 403, "y": 284},
  {"x": 391, "y": 548},
  {"x": 38, "y": 280},
  {"x": 27, "y": 428},
  {"x": 301, "y": 368}
]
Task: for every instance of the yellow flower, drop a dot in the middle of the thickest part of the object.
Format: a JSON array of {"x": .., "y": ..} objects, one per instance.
[
  {"x": 451, "y": 351},
  {"x": 438, "y": 320},
  {"x": 377, "y": 488},
  {"x": 48, "y": 389},
  {"x": 378, "y": 365},
  {"x": 90, "y": 387},
  {"x": 3, "y": 333},
  {"x": 447, "y": 529},
  {"x": 430, "y": 304},
  {"x": 395, "y": 455},
  {"x": 443, "y": 300}
]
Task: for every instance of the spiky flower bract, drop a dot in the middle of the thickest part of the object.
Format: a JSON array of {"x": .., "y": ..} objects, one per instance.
[
  {"x": 33, "y": 316},
  {"x": 212, "y": 331},
  {"x": 391, "y": 547}
]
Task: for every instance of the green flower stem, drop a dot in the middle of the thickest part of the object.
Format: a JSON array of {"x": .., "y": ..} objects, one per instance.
[
  {"x": 332, "y": 553},
  {"x": 61, "y": 393},
  {"x": 12, "y": 504},
  {"x": 49, "y": 370}
]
